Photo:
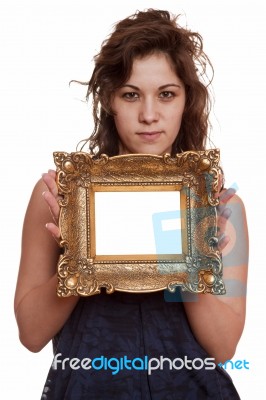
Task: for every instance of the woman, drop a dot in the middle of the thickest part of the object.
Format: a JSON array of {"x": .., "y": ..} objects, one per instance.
[{"x": 149, "y": 96}]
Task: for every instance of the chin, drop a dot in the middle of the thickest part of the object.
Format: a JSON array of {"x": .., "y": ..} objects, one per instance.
[{"x": 155, "y": 152}]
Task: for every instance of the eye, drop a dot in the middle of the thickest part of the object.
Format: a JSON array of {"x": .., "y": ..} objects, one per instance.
[
  {"x": 130, "y": 96},
  {"x": 166, "y": 95}
]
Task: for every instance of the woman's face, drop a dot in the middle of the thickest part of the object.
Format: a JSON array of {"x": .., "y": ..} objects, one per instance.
[{"x": 149, "y": 107}]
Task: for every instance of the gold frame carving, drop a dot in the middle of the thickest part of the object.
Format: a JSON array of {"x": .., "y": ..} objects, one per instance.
[{"x": 193, "y": 173}]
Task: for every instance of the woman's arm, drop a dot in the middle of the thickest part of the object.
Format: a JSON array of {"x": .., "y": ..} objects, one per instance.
[
  {"x": 40, "y": 313},
  {"x": 218, "y": 321}
]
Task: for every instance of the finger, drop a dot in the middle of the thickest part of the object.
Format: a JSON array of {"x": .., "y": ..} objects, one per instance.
[
  {"x": 225, "y": 214},
  {"x": 222, "y": 220},
  {"x": 49, "y": 180},
  {"x": 226, "y": 195},
  {"x": 52, "y": 173},
  {"x": 223, "y": 242},
  {"x": 54, "y": 230},
  {"x": 53, "y": 205},
  {"x": 223, "y": 200}
]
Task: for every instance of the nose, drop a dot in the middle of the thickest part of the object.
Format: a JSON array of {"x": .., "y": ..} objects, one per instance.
[{"x": 148, "y": 112}]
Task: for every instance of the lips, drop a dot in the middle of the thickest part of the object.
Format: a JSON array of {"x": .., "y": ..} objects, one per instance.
[{"x": 150, "y": 136}]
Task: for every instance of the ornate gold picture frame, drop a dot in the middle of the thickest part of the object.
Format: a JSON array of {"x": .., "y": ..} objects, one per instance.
[{"x": 196, "y": 268}]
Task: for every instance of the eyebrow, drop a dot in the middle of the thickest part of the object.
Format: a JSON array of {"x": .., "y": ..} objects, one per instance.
[{"x": 160, "y": 87}]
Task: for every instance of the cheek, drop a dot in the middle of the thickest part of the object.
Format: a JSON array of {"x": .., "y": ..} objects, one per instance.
[
  {"x": 122, "y": 126},
  {"x": 119, "y": 122},
  {"x": 123, "y": 119},
  {"x": 175, "y": 119}
]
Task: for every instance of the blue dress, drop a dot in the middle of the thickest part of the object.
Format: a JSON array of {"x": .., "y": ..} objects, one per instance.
[{"x": 107, "y": 328}]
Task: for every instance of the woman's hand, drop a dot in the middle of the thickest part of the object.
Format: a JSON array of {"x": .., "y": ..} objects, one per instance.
[
  {"x": 224, "y": 213},
  {"x": 224, "y": 316},
  {"x": 51, "y": 197},
  {"x": 40, "y": 313}
]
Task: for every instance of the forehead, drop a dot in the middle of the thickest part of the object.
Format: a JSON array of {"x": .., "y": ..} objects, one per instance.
[{"x": 153, "y": 67}]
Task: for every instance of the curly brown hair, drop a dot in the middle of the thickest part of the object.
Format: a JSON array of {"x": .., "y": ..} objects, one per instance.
[{"x": 143, "y": 33}]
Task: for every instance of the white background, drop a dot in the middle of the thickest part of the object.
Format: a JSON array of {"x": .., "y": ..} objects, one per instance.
[{"x": 45, "y": 44}]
